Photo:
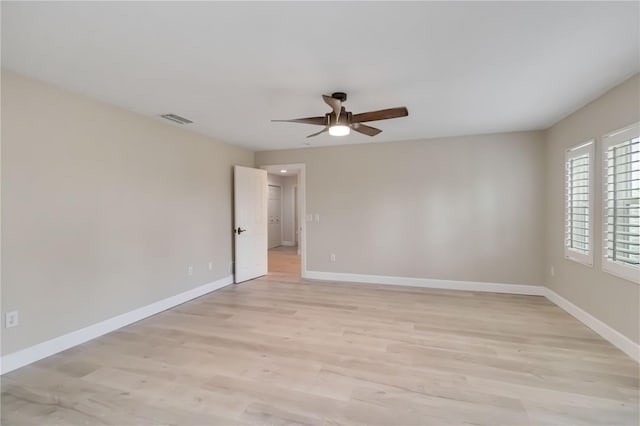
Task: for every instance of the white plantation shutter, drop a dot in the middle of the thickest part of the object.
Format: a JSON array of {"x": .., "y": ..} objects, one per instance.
[
  {"x": 621, "y": 227},
  {"x": 578, "y": 203}
]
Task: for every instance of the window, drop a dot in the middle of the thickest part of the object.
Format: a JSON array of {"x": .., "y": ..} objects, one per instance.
[
  {"x": 621, "y": 199},
  {"x": 578, "y": 238}
]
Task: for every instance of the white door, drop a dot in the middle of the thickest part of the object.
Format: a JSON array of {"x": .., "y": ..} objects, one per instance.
[
  {"x": 275, "y": 212},
  {"x": 250, "y": 230}
]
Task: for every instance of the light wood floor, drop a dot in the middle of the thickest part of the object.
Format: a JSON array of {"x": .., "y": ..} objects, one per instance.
[
  {"x": 284, "y": 262},
  {"x": 292, "y": 352}
]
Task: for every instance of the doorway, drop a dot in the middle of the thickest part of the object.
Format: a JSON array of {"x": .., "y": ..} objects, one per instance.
[
  {"x": 284, "y": 217},
  {"x": 274, "y": 213}
]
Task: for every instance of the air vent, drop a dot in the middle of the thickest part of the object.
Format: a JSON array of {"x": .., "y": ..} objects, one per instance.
[{"x": 176, "y": 118}]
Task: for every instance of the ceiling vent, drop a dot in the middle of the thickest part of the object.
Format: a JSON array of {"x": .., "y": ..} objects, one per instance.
[{"x": 176, "y": 118}]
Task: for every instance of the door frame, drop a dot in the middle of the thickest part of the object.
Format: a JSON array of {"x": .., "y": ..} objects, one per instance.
[{"x": 302, "y": 205}]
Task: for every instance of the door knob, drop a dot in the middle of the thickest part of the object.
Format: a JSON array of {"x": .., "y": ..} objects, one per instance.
[{"x": 240, "y": 230}]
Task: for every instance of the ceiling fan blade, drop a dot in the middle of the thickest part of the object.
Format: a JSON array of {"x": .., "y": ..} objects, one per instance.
[
  {"x": 320, "y": 121},
  {"x": 335, "y": 104},
  {"x": 320, "y": 132},
  {"x": 365, "y": 130},
  {"x": 383, "y": 114}
]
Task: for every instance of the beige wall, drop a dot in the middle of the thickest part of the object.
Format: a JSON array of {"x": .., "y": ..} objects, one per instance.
[
  {"x": 103, "y": 210},
  {"x": 273, "y": 179},
  {"x": 465, "y": 208},
  {"x": 612, "y": 300}
]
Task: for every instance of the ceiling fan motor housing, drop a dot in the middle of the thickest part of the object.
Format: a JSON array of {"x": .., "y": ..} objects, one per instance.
[
  {"x": 343, "y": 120},
  {"x": 341, "y": 96}
]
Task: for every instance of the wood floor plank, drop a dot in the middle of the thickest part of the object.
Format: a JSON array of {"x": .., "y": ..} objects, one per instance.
[{"x": 282, "y": 350}]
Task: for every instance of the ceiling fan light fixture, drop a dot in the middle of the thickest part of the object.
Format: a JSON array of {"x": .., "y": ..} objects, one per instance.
[
  {"x": 339, "y": 130},
  {"x": 339, "y": 121}
]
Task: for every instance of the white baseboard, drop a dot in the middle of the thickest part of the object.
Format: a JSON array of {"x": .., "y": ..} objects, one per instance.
[
  {"x": 617, "y": 339},
  {"x": 37, "y": 352},
  {"x": 531, "y": 290},
  {"x": 288, "y": 243}
]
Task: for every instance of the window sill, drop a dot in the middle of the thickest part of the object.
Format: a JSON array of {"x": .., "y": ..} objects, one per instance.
[
  {"x": 579, "y": 259},
  {"x": 620, "y": 271}
]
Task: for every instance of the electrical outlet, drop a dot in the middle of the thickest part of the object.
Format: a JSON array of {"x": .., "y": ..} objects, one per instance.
[
  {"x": 333, "y": 257},
  {"x": 552, "y": 271},
  {"x": 190, "y": 270},
  {"x": 211, "y": 266},
  {"x": 317, "y": 217},
  {"x": 11, "y": 319}
]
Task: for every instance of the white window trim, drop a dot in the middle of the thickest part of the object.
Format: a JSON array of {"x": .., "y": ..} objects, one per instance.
[
  {"x": 575, "y": 151},
  {"x": 620, "y": 270}
]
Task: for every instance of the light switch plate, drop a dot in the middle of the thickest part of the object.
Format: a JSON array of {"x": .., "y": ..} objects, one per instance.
[{"x": 11, "y": 319}]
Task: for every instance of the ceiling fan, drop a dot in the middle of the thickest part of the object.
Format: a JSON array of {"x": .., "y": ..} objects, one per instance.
[{"x": 340, "y": 122}]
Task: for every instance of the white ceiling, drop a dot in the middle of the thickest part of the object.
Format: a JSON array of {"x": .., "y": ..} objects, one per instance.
[{"x": 460, "y": 68}]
